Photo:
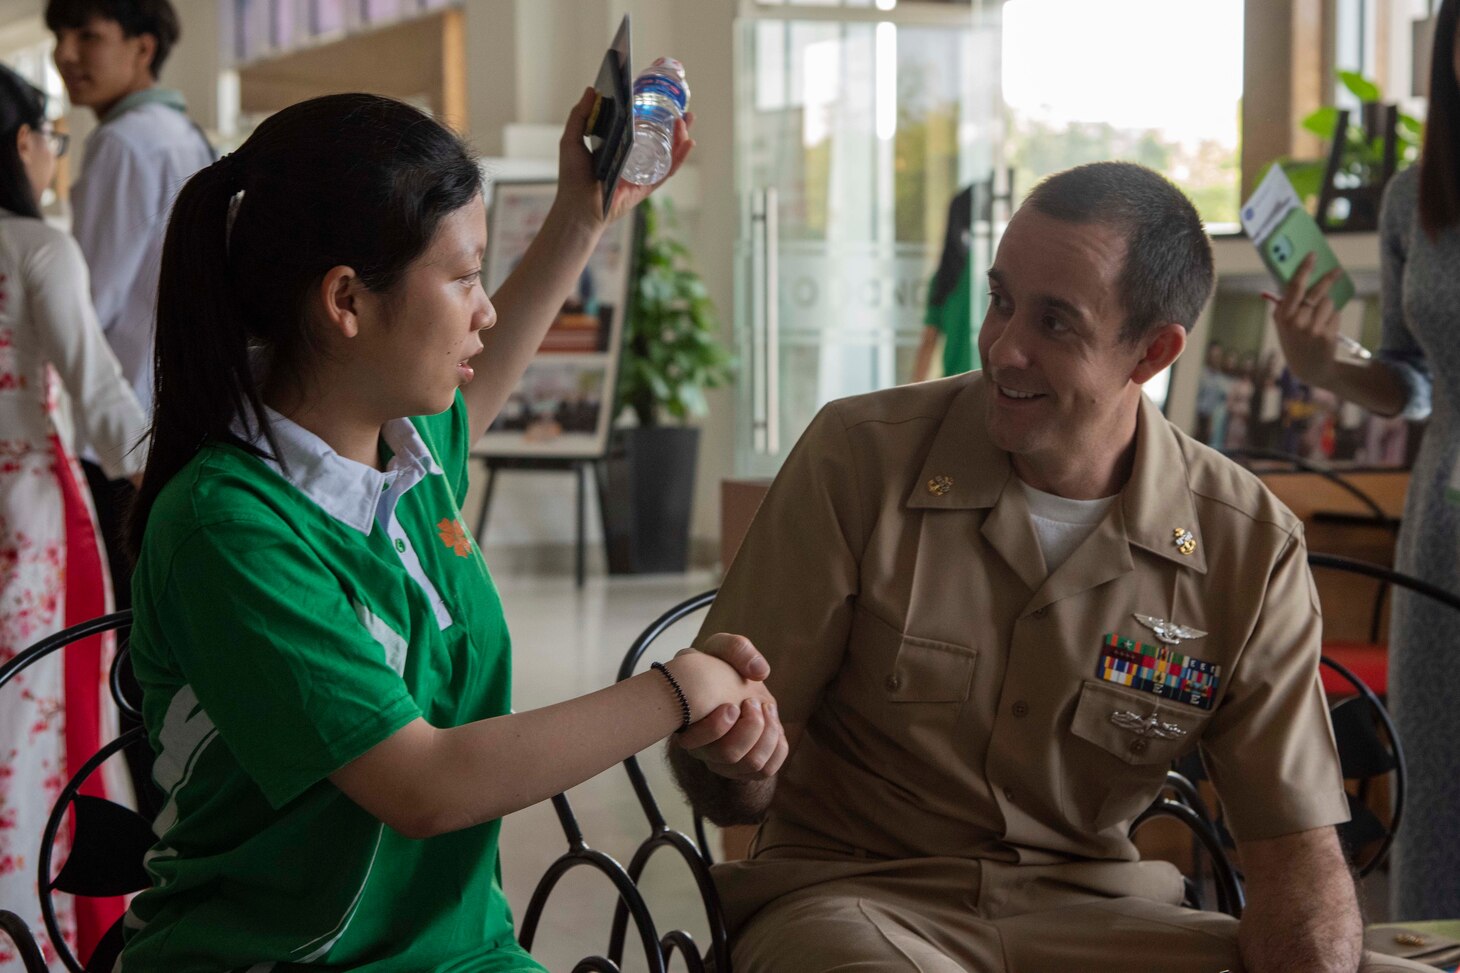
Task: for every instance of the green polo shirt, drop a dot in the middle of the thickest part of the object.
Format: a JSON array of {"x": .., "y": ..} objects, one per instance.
[
  {"x": 289, "y": 617},
  {"x": 954, "y": 317}
]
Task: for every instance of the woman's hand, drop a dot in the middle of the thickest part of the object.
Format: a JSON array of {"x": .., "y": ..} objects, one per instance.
[
  {"x": 741, "y": 739},
  {"x": 579, "y": 192},
  {"x": 1307, "y": 324}
]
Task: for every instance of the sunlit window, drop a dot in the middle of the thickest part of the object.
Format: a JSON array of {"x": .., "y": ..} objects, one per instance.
[{"x": 1157, "y": 82}]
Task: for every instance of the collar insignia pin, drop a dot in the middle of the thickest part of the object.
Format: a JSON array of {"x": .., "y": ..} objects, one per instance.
[
  {"x": 1184, "y": 540},
  {"x": 1168, "y": 632},
  {"x": 940, "y": 484}
]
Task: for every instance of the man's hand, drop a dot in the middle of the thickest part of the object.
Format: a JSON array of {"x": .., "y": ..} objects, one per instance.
[
  {"x": 727, "y": 762},
  {"x": 1302, "y": 913},
  {"x": 745, "y": 742}
]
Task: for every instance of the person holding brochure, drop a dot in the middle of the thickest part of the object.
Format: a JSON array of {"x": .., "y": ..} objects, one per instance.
[
  {"x": 1415, "y": 374},
  {"x": 323, "y": 656}
]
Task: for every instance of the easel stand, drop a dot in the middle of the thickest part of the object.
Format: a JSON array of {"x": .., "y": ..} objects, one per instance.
[{"x": 579, "y": 467}]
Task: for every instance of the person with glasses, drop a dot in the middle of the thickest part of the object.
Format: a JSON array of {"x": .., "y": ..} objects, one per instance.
[{"x": 59, "y": 382}]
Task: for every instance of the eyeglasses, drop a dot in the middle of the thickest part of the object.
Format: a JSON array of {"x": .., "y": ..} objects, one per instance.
[{"x": 58, "y": 141}]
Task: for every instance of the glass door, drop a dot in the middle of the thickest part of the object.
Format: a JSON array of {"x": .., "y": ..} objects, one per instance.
[{"x": 855, "y": 127}]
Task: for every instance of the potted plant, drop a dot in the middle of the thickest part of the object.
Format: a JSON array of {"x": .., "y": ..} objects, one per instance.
[
  {"x": 1361, "y": 159},
  {"x": 671, "y": 354}
]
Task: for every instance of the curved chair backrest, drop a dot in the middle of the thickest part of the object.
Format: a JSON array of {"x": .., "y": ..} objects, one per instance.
[
  {"x": 109, "y": 840},
  {"x": 1181, "y": 800},
  {"x": 658, "y": 949},
  {"x": 1374, "y": 515},
  {"x": 1380, "y": 516},
  {"x": 26, "y": 948},
  {"x": 1368, "y": 743}
]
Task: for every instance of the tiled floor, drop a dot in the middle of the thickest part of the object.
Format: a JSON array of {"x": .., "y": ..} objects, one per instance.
[{"x": 568, "y": 642}]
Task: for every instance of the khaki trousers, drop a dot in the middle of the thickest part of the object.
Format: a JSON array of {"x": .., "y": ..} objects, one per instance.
[{"x": 955, "y": 916}]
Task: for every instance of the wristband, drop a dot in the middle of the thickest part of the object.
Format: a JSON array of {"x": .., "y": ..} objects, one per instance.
[{"x": 678, "y": 694}]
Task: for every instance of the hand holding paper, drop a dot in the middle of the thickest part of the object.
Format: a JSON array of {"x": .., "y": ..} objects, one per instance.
[{"x": 1295, "y": 251}]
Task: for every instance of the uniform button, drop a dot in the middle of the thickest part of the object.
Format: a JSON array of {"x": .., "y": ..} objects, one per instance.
[
  {"x": 400, "y": 545},
  {"x": 1041, "y": 612},
  {"x": 1009, "y": 794},
  {"x": 893, "y": 682},
  {"x": 1139, "y": 746},
  {"x": 1021, "y": 709}
]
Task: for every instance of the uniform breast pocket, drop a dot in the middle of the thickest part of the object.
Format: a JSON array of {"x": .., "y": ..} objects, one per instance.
[
  {"x": 926, "y": 671},
  {"x": 899, "y": 683},
  {"x": 1120, "y": 744}
]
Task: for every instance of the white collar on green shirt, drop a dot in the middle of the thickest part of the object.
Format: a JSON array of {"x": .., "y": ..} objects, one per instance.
[{"x": 351, "y": 492}]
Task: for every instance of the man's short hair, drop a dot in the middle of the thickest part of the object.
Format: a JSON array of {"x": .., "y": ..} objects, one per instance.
[
  {"x": 136, "y": 17},
  {"x": 1167, "y": 274}
]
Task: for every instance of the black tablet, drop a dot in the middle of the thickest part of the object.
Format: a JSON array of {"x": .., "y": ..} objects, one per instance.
[{"x": 610, "y": 131}]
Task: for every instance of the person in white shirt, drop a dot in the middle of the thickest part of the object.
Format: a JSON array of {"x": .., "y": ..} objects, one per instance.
[
  {"x": 110, "y": 55},
  {"x": 58, "y": 381}
]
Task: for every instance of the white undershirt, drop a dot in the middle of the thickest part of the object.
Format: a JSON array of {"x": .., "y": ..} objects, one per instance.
[{"x": 1062, "y": 524}]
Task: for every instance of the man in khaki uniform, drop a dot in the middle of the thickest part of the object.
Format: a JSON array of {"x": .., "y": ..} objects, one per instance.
[{"x": 996, "y": 608}]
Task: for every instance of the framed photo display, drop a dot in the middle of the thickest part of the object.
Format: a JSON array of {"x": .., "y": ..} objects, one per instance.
[
  {"x": 563, "y": 406},
  {"x": 1232, "y": 389}
]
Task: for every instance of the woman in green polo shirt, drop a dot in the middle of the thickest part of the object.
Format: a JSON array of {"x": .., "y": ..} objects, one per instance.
[{"x": 322, "y": 652}]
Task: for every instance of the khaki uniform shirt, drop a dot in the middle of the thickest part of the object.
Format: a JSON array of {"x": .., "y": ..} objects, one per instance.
[{"x": 956, "y": 697}]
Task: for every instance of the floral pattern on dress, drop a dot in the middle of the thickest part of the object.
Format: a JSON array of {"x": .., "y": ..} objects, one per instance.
[{"x": 33, "y": 599}]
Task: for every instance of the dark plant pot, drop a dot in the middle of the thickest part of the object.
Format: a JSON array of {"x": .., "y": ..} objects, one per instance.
[{"x": 650, "y": 490}]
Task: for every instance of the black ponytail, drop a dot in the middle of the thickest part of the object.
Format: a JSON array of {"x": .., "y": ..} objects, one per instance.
[{"x": 345, "y": 180}]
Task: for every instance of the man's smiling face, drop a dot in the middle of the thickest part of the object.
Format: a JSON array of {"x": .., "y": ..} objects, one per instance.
[{"x": 1060, "y": 375}]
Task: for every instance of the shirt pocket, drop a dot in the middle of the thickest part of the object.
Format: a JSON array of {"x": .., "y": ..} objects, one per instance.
[
  {"x": 894, "y": 681},
  {"x": 928, "y": 671},
  {"x": 1119, "y": 747}
]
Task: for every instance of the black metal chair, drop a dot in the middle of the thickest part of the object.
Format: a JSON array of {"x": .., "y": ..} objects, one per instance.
[
  {"x": 658, "y": 948},
  {"x": 26, "y": 948},
  {"x": 1181, "y": 801},
  {"x": 109, "y": 839},
  {"x": 1369, "y": 747},
  {"x": 110, "y": 842},
  {"x": 1372, "y": 516}
]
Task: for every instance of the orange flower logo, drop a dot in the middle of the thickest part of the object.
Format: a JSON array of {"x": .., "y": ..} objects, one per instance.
[{"x": 454, "y": 536}]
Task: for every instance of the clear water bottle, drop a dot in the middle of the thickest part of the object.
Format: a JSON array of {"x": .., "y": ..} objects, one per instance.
[{"x": 660, "y": 97}]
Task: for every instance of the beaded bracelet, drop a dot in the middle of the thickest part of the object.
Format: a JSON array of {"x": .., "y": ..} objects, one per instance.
[{"x": 678, "y": 694}]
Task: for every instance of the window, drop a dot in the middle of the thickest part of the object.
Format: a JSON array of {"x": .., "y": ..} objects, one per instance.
[{"x": 1157, "y": 82}]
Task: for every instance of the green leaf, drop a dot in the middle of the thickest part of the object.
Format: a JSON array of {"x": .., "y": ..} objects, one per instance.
[
  {"x": 1306, "y": 177},
  {"x": 1323, "y": 122},
  {"x": 1362, "y": 88}
]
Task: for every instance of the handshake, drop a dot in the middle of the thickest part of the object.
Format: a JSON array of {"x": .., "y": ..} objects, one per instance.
[{"x": 736, "y": 732}]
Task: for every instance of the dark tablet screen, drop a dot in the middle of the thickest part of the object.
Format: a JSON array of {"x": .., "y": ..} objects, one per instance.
[{"x": 610, "y": 128}]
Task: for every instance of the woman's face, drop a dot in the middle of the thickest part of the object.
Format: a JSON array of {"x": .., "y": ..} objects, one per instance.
[
  {"x": 38, "y": 156},
  {"x": 427, "y": 326}
]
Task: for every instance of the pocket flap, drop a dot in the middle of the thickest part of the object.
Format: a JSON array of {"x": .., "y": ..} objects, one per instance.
[
  {"x": 926, "y": 671},
  {"x": 1139, "y": 728}
]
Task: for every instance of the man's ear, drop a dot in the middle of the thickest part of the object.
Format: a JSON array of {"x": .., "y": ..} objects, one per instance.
[
  {"x": 146, "y": 51},
  {"x": 340, "y": 293},
  {"x": 1164, "y": 344}
]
